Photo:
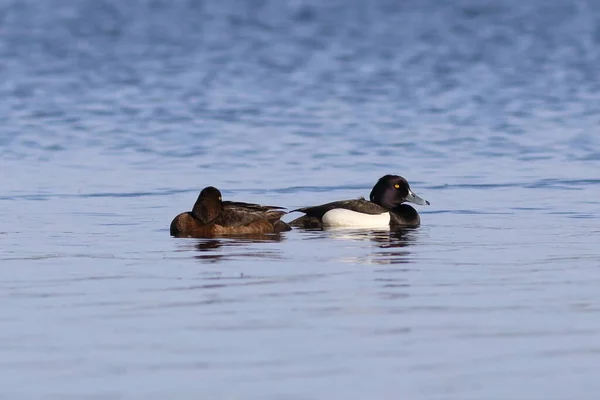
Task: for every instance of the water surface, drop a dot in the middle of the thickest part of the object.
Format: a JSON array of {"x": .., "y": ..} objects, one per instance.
[{"x": 115, "y": 115}]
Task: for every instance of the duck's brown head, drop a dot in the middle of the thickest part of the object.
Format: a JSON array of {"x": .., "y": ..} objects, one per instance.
[{"x": 209, "y": 205}]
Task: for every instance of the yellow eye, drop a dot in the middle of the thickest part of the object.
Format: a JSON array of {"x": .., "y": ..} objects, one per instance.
[
  {"x": 397, "y": 186},
  {"x": 220, "y": 198}
]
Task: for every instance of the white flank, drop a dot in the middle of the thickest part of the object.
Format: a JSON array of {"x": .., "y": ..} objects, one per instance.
[{"x": 340, "y": 217}]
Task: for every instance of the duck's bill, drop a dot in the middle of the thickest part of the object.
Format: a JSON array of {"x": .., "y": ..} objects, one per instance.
[{"x": 413, "y": 198}]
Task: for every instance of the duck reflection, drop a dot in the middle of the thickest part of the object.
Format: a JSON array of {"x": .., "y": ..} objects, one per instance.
[
  {"x": 391, "y": 246},
  {"x": 219, "y": 249}
]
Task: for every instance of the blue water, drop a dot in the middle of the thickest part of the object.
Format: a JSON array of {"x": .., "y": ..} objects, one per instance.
[{"x": 115, "y": 114}]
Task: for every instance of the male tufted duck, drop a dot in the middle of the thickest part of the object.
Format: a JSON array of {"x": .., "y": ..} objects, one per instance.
[{"x": 385, "y": 208}]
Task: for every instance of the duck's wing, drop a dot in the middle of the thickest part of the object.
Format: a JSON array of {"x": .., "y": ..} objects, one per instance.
[
  {"x": 359, "y": 205},
  {"x": 236, "y": 213},
  {"x": 249, "y": 206}
]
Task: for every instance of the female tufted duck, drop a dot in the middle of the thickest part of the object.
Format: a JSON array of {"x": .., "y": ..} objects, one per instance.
[
  {"x": 213, "y": 217},
  {"x": 385, "y": 208}
]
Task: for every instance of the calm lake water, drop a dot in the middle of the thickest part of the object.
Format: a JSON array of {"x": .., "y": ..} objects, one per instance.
[{"x": 115, "y": 114}]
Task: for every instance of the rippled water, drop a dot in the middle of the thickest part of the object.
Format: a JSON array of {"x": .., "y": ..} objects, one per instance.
[{"x": 115, "y": 115}]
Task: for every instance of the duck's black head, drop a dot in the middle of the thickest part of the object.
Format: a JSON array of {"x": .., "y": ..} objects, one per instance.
[
  {"x": 392, "y": 190},
  {"x": 209, "y": 205}
]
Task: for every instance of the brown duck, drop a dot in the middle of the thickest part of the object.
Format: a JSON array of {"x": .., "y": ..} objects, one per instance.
[{"x": 211, "y": 216}]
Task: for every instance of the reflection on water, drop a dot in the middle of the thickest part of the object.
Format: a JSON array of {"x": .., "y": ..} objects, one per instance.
[
  {"x": 385, "y": 238},
  {"x": 209, "y": 245},
  {"x": 386, "y": 244},
  {"x": 382, "y": 246},
  {"x": 218, "y": 249},
  {"x": 394, "y": 240}
]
